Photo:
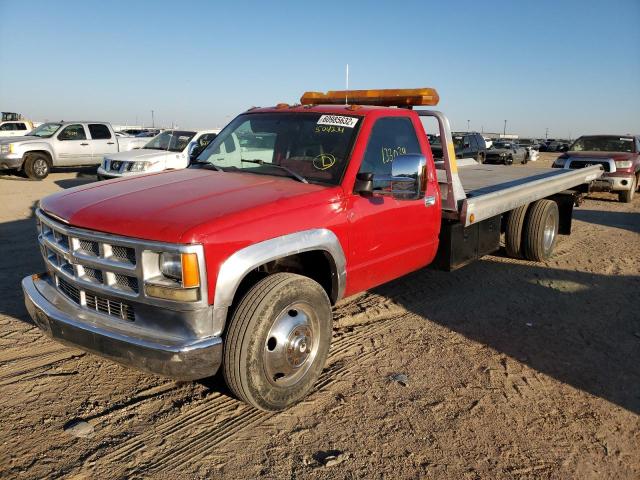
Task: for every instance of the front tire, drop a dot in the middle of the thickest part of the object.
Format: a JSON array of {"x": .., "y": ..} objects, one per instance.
[
  {"x": 36, "y": 166},
  {"x": 541, "y": 230},
  {"x": 627, "y": 195},
  {"x": 278, "y": 341}
]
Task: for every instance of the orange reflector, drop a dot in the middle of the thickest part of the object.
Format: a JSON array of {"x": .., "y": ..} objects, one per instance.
[
  {"x": 190, "y": 271},
  {"x": 400, "y": 97}
]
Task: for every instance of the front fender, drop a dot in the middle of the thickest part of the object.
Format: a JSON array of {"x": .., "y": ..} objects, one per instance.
[
  {"x": 34, "y": 146},
  {"x": 237, "y": 266}
]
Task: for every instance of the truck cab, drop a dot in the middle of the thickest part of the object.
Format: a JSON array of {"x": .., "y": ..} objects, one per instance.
[
  {"x": 235, "y": 262},
  {"x": 15, "y": 128}
]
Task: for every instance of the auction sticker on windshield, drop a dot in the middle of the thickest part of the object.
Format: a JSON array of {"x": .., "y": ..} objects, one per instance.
[{"x": 337, "y": 121}]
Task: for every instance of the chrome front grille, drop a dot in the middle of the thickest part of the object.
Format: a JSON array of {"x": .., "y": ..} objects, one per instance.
[
  {"x": 108, "y": 268},
  {"x": 95, "y": 302},
  {"x": 88, "y": 259}
]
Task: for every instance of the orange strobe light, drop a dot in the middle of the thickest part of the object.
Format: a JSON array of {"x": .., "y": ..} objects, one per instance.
[{"x": 401, "y": 97}]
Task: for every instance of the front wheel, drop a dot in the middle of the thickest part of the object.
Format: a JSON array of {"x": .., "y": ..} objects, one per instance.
[
  {"x": 627, "y": 195},
  {"x": 278, "y": 341},
  {"x": 36, "y": 166}
]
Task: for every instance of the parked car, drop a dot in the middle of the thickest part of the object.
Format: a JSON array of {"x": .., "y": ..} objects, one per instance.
[
  {"x": 529, "y": 144},
  {"x": 619, "y": 155},
  {"x": 466, "y": 145},
  {"x": 62, "y": 144},
  {"x": 169, "y": 150},
  {"x": 507, "y": 153}
]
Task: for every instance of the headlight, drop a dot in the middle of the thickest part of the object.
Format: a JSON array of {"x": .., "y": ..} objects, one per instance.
[
  {"x": 6, "y": 148},
  {"x": 623, "y": 163},
  {"x": 140, "y": 166},
  {"x": 171, "y": 265},
  {"x": 172, "y": 275}
]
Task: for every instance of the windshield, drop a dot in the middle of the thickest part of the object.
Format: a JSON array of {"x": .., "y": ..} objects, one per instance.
[
  {"x": 603, "y": 144},
  {"x": 497, "y": 145},
  {"x": 45, "y": 130},
  {"x": 171, "y": 140},
  {"x": 312, "y": 145}
]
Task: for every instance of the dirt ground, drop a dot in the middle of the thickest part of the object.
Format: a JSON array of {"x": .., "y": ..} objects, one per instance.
[{"x": 503, "y": 369}]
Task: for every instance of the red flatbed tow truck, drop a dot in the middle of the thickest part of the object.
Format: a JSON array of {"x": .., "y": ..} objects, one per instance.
[{"x": 235, "y": 262}]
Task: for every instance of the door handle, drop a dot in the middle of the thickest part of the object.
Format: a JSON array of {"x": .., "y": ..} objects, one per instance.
[
  {"x": 84, "y": 144},
  {"x": 109, "y": 143},
  {"x": 429, "y": 201}
]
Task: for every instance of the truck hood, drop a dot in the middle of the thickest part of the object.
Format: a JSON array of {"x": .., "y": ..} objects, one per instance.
[
  {"x": 144, "y": 154},
  {"x": 19, "y": 139},
  {"x": 174, "y": 206},
  {"x": 598, "y": 154}
]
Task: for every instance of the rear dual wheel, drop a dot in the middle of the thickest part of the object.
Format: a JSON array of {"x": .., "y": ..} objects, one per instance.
[
  {"x": 532, "y": 230},
  {"x": 278, "y": 341}
]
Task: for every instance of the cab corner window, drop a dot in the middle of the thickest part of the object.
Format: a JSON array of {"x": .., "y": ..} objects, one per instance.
[
  {"x": 72, "y": 132},
  {"x": 390, "y": 137}
]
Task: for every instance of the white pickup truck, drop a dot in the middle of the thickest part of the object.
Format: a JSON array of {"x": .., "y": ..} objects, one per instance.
[
  {"x": 15, "y": 128},
  {"x": 62, "y": 144},
  {"x": 170, "y": 150}
]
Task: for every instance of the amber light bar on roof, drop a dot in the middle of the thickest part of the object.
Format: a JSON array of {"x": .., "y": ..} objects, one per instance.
[{"x": 393, "y": 97}]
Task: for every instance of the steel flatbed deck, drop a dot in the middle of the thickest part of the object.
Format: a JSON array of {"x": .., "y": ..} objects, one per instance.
[{"x": 494, "y": 189}]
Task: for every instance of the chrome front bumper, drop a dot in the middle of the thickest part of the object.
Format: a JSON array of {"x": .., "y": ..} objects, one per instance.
[
  {"x": 10, "y": 161},
  {"x": 612, "y": 184},
  {"x": 124, "y": 343}
]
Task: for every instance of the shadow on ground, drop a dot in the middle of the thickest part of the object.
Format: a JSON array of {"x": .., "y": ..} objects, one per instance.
[
  {"x": 625, "y": 220},
  {"x": 581, "y": 328}
]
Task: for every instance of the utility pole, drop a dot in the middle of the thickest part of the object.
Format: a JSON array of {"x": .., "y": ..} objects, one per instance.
[
  {"x": 468, "y": 125},
  {"x": 504, "y": 130},
  {"x": 153, "y": 121},
  {"x": 546, "y": 133}
]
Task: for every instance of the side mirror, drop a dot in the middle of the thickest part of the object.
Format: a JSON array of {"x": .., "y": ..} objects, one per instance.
[
  {"x": 405, "y": 181},
  {"x": 194, "y": 150}
]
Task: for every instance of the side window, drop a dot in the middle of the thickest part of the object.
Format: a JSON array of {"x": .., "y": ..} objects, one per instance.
[
  {"x": 6, "y": 127},
  {"x": 471, "y": 140},
  {"x": 229, "y": 144},
  {"x": 206, "y": 139},
  {"x": 99, "y": 131},
  {"x": 72, "y": 132},
  {"x": 390, "y": 137},
  {"x": 21, "y": 126}
]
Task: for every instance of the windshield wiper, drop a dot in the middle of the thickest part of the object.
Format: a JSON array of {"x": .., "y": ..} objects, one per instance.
[
  {"x": 295, "y": 175},
  {"x": 205, "y": 164}
]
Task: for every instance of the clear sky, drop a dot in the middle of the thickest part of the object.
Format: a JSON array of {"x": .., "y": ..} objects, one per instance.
[{"x": 570, "y": 66}]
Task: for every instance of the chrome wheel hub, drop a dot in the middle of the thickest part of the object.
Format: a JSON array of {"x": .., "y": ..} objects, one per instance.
[
  {"x": 291, "y": 345},
  {"x": 549, "y": 232},
  {"x": 40, "y": 167}
]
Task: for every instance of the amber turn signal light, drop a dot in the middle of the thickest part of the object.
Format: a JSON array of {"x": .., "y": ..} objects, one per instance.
[{"x": 190, "y": 270}]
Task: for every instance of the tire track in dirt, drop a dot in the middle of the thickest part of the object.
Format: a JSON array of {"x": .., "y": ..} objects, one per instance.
[
  {"x": 219, "y": 419},
  {"x": 21, "y": 365}
]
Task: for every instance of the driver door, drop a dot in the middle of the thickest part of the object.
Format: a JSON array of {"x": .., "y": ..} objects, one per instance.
[
  {"x": 72, "y": 146},
  {"x": 390, "y": 237}
]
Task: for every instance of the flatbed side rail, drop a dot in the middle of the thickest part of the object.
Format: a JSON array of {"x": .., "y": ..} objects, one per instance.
[
  {"x": 454, "y": 196},
  {"x": 476, "y": 209}
]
